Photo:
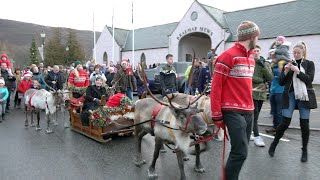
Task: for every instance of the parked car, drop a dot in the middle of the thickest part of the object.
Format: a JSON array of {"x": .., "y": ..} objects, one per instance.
[{"x": 151, "y": 78}]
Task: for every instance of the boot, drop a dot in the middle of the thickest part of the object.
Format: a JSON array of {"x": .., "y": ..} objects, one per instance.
[
  {"x": 305, "y": 132},
  {"x": 279, "y": 133}
]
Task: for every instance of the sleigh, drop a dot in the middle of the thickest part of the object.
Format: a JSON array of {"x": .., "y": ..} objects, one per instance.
[{"x": 104, "y": 123}]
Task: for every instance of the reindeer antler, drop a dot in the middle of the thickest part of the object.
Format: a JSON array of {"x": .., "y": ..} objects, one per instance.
[{"x": 45, "y": 83}]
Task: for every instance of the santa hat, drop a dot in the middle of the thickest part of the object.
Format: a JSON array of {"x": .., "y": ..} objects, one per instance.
[
  {"x": 27, "y": 74},
  {"x": 125, "y": 61},
  {"x": 2, "y": 81}
]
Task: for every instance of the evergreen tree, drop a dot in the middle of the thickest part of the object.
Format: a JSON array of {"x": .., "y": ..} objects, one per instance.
[
  {"x": 75, "y": 51},
  {"x": 54, "y": 50},
  {"x": 34, "y": 53}
]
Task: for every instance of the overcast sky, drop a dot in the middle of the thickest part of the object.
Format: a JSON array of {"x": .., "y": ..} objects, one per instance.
[{"x": 78, "y": 14}]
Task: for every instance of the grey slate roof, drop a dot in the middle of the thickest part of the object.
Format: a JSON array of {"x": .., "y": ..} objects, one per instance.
[
  {"x": 150, "y": 37},
  {"x": 216, "y": 14},
  {"x": 120, "y": 35},
  {"x": 295, "y": 18}
]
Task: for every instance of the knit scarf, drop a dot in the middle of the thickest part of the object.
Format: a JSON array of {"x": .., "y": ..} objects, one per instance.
[{"x": 300, "y": 88}]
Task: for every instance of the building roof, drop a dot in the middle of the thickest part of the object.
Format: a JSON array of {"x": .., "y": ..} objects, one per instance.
[
  {"x": 294, "y": 18},
  {"x": 150, "y": 37},
  {"x": 120, "y": 35},
  {"x": 216, "y": 14}
]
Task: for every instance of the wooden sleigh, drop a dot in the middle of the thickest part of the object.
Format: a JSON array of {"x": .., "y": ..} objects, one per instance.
[{"x": 102, "y": 134}]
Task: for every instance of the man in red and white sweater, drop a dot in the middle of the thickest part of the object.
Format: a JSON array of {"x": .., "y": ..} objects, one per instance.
[{"x": 231, "y": 94}]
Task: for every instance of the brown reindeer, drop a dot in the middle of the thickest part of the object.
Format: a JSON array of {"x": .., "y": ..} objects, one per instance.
[{"x": 172, "y": 124}]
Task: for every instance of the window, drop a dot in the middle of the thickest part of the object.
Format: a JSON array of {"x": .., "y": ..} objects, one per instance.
[
  {"x": 105, "y": 58},
  {"x": 188, "y": 58}
]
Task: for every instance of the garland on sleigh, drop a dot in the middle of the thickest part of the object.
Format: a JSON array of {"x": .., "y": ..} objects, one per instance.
[
  {"x": 79, "y": 90},
  {"x": 102, "y": 116}
]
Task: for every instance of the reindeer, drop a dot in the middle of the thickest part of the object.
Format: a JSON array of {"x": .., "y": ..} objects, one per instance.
[
  {"x": 36, "y": 100},
  {"x": 171, "y": 125}
]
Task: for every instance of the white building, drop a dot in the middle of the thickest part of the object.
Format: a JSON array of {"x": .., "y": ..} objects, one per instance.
[{"x": 203, "y": 27}]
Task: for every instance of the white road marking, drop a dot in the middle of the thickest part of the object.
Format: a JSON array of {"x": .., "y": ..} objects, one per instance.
[{"x": 272, "y": 137}]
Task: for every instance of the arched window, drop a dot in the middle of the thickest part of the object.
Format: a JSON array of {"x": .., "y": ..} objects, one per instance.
[
  {"x": 143, "y": 59},
  {"x": 105, "y": 58}
]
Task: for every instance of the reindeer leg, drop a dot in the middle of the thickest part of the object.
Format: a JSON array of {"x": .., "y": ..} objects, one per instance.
[
  {"x": 163, "y": 150},
  {"x": 55, "y": 122},
  {"x": 38, "y": 119},
  {"x": 138, "y": 161},
  {"x": 152, "y": 171},
  {"x": 185, "y": 157},
  {"x": 198, "y": 168},
  {"x": 38, "y": 128},
  {"x": 181, "y": 164},
  {"x": 32, "y": 122},
  {"x": 26, "y": 124},
  {"x": 66, "y": 124},
  {"x": 48, "y": 130}
]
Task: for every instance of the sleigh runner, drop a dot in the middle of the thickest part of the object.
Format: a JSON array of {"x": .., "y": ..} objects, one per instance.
[{"x": 105, "y": 121}]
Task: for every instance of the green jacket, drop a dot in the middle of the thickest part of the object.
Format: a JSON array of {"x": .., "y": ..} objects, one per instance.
[{"x": 262, "y": 74}]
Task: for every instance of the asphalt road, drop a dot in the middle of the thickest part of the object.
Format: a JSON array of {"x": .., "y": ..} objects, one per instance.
[{"x": 29, "y": 154}]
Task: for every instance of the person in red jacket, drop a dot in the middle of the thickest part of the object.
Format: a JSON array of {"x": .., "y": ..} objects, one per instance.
[
  {"x": 78, "y": 78},
  {"x": 25, "y": 83},
  {"x": 5, "y": 58},
  {"x": 231, "y": 95}
]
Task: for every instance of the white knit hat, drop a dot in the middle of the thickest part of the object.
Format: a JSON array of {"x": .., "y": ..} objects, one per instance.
[{"x": 2, "y": 81}]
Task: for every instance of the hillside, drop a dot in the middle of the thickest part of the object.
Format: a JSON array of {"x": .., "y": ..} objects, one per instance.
[{"x": 16, "y": 37}]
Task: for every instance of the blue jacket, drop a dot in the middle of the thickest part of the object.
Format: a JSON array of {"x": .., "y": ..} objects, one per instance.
[
  {"x": 204, "y": 78},
  {"x": 4, "y": 94},
  {"x": 275, "y": 86}
]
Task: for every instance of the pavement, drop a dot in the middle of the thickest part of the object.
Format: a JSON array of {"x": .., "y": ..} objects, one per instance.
[{"x": 29, "y": 154}]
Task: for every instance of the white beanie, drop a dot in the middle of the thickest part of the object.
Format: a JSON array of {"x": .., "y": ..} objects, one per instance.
[{"x": 2, "y": 81}]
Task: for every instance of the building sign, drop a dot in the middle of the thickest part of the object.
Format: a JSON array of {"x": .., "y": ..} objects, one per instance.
[{"x": 194, "y": 29}]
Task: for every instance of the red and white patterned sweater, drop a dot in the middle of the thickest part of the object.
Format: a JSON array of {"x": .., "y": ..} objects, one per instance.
[
  {"x": 232, "y": 82},
  {"x": 81, "y": 81}
]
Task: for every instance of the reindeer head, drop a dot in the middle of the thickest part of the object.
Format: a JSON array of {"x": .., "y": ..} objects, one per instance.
[
  {"x": 189, "y": 119},
  {"x": 58, "y": 98}
]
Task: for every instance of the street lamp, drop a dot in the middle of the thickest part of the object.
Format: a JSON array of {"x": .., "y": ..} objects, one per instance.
[
  {"x": 67, "y": 55},
  {"x": 43, "y": 35}
]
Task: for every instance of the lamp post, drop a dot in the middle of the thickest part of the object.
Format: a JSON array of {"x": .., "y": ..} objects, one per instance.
[{"x": 43, "y": 35}]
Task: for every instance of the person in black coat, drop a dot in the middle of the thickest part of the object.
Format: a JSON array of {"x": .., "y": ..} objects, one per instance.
[
  {"x": 297, "y": 77},
  {"x": 54, "y": 79},
  {"x": 92, "y": 99}
]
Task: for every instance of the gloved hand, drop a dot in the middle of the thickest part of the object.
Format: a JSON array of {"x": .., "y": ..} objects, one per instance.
[
  {"x": 96, "y": 100},
  {"x": 219, "y": 123}
]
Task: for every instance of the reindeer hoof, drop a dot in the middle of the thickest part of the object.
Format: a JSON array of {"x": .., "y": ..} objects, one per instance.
[
  {"x": 49, "y": 131},
  {"x": 38, "y": 129},
  {"x": 139, "y": 163},
  {"x": 32, "y": 125},
  {"x": 26, "y": 125},
  {"x": 152, "y": 174},
  {"x": 66, "y": 125},
  {"x": 199, "y": 169},
  {"x": 186, "y": 158},
  {"x": 162, "y": 150}
]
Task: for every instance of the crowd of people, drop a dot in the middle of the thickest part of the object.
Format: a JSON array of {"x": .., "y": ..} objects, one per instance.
[{"x": 239, "y": 80}]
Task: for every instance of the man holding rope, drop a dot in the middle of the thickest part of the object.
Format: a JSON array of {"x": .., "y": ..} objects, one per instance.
[{"x": 231, "y": 95}]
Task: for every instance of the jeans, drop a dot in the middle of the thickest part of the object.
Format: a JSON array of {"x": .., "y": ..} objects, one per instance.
[
  {"x": 129, "y": 93},
  {"x": 8, "y": 100},
  {"x": 239, "y": 127},
  {"x": 303, "y": 111},
  {"x": 168, "y": 91},
  {"x": 276, "y": 109},
  {"x": 257, "y": 108},
  {"x": 3, "y": 108}
]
